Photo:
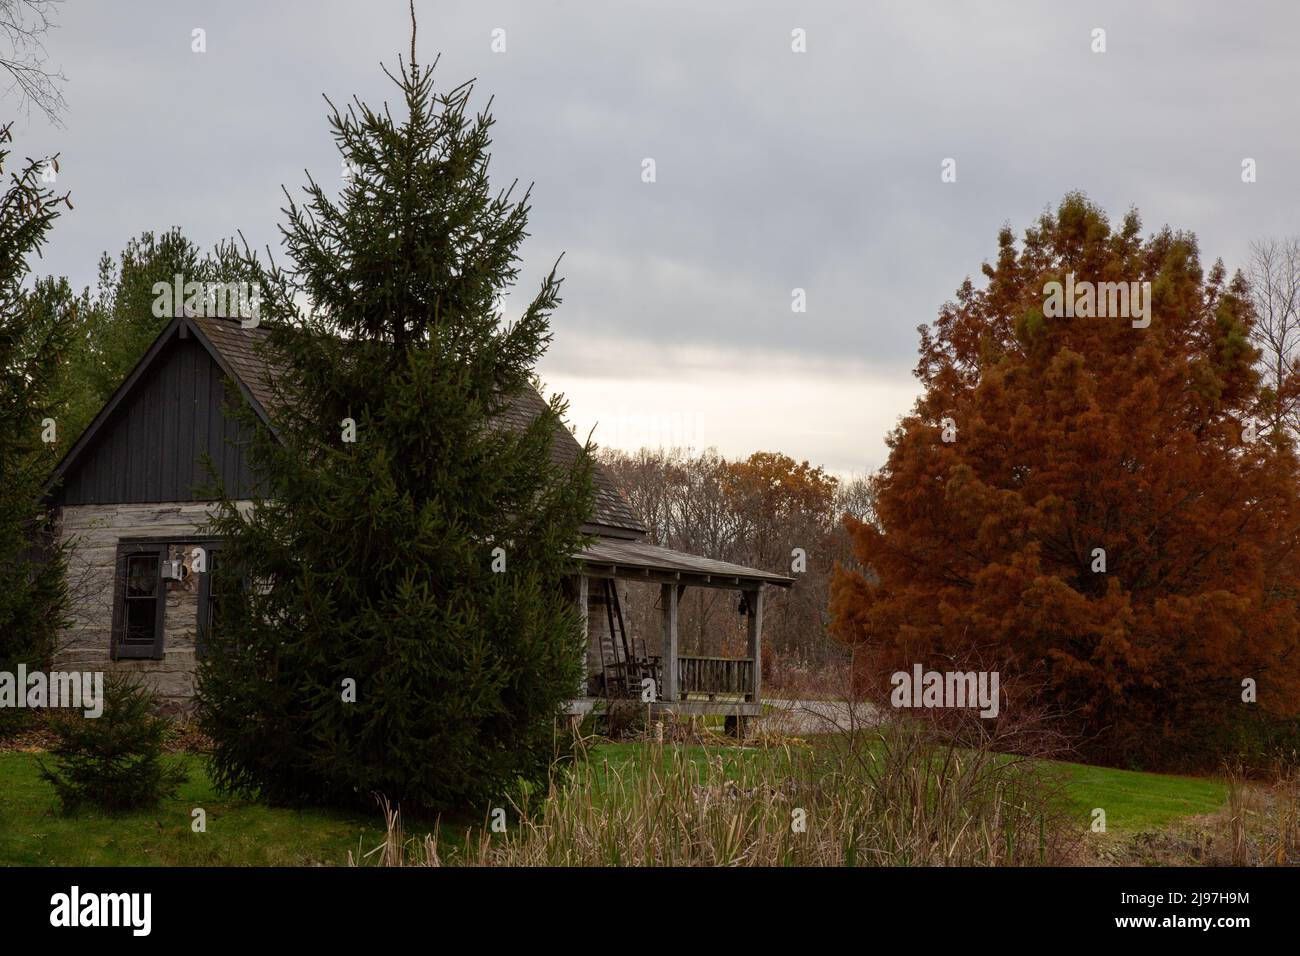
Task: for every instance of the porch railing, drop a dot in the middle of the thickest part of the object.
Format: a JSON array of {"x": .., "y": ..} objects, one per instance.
[
  {"x": 715, "y": 675},
  {"x": 707, "y": 676}
]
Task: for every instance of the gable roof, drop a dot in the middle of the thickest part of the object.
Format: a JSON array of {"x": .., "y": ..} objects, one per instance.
[
  {"x": 182, "y": 328},
  {"x": 237, "y": 346},
  {"x": 235, "y": 350}
]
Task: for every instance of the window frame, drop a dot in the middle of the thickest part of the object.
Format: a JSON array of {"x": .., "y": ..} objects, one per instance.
[{"x": 119, "y": 649}]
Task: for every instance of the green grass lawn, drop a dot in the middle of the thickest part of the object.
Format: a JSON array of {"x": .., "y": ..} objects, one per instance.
[
  {"x": 244, "y": 833},
  {"x": 1140, "y": 801},
  {"x": 239, "y": 832}
]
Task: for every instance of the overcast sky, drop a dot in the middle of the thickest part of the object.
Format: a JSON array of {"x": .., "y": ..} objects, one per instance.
[{"x": 775, "y": 170}]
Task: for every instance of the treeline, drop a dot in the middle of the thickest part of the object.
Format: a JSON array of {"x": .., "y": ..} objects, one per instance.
[
  {"x": 766, "y": 511},
  {"x": 112, "y": 324}
]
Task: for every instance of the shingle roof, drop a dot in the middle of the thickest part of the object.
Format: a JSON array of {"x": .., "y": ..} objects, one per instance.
[
  {"x": 238, "y": 346},
  {"x": 611, "y": 508}
]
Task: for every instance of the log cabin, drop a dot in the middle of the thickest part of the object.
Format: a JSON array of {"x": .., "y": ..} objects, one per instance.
[{"x": 129, "y": 503}]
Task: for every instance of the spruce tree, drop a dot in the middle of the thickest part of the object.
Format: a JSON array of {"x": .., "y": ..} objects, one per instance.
[
  {"x": 369, "y": 558},
  {"x": 115, "y": 324},
  {"x": 34, "y": 332}
]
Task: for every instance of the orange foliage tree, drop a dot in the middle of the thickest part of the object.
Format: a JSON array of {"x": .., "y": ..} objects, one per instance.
[
  {"x": 1079, "y": 501},
  {"x": 779, "y": 502}
]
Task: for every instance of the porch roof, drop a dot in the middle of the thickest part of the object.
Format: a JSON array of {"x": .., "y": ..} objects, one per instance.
[{"x": 610, "y": 557}]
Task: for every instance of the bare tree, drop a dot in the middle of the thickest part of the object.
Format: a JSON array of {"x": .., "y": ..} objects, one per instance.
[
  {"x": 1274, "y": 274},
  {"x": 23, "y": 23},
  {"x": 755, "y": 512},
  {"x": 857, "y": 497}
]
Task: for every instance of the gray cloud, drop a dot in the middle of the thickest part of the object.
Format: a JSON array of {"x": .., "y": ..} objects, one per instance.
[{"x": 775, "y": 170}]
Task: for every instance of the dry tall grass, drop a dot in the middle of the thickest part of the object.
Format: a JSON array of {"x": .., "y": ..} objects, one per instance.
[
  {"x": 1280, "y": 844},
  {"x": 1262, "y": 825},
  {"x": 897, "y": 796}
]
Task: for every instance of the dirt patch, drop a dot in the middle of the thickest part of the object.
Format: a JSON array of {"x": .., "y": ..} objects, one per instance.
[{"x": 38, "y": 735}]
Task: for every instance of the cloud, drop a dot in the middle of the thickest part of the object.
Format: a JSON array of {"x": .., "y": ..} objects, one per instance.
[{"x": 775, "y": 170}]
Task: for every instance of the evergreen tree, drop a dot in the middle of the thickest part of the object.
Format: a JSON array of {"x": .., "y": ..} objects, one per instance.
[
  {"x": 116, "y": 323},
  {"x": 120, "y": 322},
  {"x": 34, "y": 333},
  {"x": 117, "y": 761},
  {"x": 372, "y": 560}
]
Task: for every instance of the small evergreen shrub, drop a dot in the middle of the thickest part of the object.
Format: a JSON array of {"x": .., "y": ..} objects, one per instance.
[{"x": 115, "y": 762}]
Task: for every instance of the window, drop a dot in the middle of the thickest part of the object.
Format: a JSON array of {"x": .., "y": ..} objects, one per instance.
[{"x": 139, "y": 601}]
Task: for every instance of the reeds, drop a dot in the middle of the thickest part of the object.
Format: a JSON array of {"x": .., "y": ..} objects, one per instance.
[{"x": 896, "y": 796}]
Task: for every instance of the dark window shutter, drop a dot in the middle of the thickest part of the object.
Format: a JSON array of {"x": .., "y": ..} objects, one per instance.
[{"x": 209, "y": 599}]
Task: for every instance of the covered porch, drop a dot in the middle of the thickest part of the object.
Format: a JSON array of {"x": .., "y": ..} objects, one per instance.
[{"x": 624, "y": 667}]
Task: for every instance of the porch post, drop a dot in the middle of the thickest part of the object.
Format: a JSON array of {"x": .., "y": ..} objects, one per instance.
[
  {"x": 754, "y": 645},
  {"x": 668, "y": 599}
]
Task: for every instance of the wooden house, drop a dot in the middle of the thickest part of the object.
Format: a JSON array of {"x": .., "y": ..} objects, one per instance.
[{"x": 129, "y": 500}]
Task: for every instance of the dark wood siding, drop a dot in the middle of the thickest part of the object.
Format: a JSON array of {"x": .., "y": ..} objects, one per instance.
[{"x": 152, "y": 448}]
